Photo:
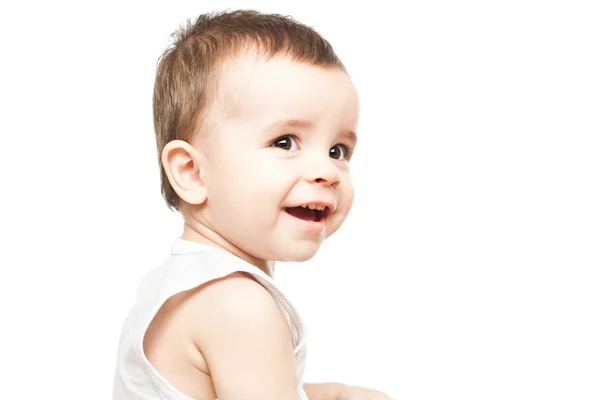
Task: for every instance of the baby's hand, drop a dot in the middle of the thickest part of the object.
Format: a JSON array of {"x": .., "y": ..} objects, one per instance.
[{"x": 359, "y": 393}]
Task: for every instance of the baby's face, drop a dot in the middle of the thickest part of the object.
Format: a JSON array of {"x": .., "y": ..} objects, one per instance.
[{"x": 264, "y": 162}]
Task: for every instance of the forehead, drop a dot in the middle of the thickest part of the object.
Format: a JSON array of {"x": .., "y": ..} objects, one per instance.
[{"x": 280, "y": 88}]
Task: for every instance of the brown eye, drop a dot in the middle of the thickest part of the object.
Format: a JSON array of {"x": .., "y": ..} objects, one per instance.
[
  {"x": 286, "y": 143},
  {"x": 338, "y": 152}
]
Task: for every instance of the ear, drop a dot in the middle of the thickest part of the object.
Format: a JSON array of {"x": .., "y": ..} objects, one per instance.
[{"x": 182, "y": 163}]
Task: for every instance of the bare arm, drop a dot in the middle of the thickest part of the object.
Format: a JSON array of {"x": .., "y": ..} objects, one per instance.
[
  {"x": 339, "y": 391},
  {"x": 244, "y": 339},
  {"x": 323, "y": 391}
]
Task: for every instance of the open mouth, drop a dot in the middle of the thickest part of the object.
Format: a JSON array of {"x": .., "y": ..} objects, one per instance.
[{"x": 308, "y": 214}]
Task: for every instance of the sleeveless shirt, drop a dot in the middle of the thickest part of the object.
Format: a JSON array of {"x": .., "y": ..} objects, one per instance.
[{"x": 189, "y": 265}]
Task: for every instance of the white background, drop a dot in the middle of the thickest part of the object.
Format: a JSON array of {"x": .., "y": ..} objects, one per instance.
[{"x": 468, "y": 268}]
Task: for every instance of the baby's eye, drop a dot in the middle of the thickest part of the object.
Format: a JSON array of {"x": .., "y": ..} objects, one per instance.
[
  {"x": 286, "y": 142},
  {"x": 339, "y": 152}
]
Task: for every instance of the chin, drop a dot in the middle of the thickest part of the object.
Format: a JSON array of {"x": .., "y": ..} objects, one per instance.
[
  {"x": 302, "y": 257},
  {"x": 299, "y": 253}
]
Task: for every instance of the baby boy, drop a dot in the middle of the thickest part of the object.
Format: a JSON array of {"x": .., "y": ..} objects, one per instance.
[{"x": 255, "y": 119}]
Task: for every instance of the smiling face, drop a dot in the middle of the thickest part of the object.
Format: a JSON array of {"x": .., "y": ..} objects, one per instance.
[{"x": 284, "y": 142}]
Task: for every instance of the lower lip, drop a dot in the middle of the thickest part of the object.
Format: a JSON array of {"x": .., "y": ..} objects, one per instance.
[{"x": 311, "y": 226}]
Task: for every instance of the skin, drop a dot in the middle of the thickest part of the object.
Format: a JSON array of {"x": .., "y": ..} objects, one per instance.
[{"x": 234, "y": 192}]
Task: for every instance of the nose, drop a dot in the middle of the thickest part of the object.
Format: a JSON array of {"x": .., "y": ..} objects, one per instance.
[{"x": 322, "y": 169}]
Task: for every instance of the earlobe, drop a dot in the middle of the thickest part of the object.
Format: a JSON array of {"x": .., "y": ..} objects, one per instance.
[{"x": 182, "y": 166}]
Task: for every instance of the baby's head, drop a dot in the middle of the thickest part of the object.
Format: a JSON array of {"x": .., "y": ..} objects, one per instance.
[{"x": 255, "y": 117}]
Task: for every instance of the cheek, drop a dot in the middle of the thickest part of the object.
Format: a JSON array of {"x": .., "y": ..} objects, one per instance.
[
  {"x": 350, "y": 196},
  {"x": 347, "y": 193},
  {"x": 346, "y": 202},
  {"x": 251, "y": 182},
  {"x": 268, "y": 176}
]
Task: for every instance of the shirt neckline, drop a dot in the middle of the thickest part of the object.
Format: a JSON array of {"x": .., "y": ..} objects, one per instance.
[{"x": 182, "y": 247}]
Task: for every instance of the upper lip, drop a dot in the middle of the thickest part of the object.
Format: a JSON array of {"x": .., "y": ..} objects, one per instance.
[{"x": 329, "y": 207}]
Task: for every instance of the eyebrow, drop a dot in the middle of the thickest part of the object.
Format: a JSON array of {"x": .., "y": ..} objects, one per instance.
[{"x": 302, "y": 123}]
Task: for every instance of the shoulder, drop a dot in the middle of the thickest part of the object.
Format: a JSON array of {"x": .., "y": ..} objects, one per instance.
[
  {"x": 244, "y": 338},
  {"x": 234, "y": 301}
]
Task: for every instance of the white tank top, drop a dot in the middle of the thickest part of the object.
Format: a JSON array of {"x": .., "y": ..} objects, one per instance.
[{"x": 190, "y": 264}]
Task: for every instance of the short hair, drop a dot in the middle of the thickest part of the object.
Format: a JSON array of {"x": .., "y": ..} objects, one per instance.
[{"x": 187, "y": 73}]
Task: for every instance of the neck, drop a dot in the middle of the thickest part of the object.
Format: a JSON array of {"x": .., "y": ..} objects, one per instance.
[{"x": 195, "y": 231}]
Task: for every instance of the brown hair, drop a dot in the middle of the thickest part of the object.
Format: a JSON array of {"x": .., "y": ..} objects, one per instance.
[{"x": 187, "y": 74}]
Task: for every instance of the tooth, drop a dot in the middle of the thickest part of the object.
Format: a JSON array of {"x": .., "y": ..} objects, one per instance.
[
  {"x": 312, "y": 206},
  {"x": 303, "y": 206},
  {"x": 320, "y": 208}
]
